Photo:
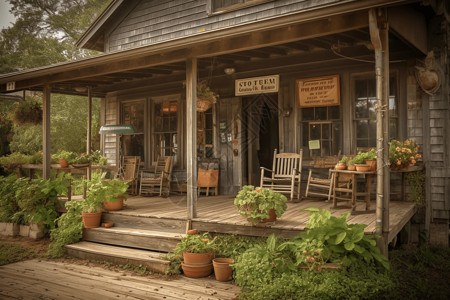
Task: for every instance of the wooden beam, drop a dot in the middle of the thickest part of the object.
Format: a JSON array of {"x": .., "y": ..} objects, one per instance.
[
  {"x": 89, "y": 129},
  {"x": 162, "y": 54},
  {"x": 191, "y": 136},
  {"x": 46, "y": 159}
]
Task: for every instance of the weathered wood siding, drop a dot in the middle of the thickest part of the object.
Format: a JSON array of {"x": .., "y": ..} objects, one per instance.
[
  {"x": 438, "y": 111},
  {"x": 154, "y": 21}
]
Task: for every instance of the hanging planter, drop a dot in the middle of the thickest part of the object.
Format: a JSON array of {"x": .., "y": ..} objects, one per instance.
[
  {"x": 205, "y": 97},
  {"x": 27, "y": 113}
]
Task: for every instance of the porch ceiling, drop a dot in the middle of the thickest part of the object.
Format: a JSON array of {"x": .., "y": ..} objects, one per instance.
[{"x": 335, "y": 48}]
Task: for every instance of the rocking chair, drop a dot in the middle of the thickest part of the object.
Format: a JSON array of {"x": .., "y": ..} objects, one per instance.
[
  {"x": 158, "y": 180},
  {"x": 285, "y": 175}
]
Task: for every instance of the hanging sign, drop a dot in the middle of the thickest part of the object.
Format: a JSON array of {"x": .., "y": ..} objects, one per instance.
[
  {"x": 314, "y": 144},
  {"x": 318, "y": 91},
  {"x": 257, "y": 85},
  {"x": 11, "y": 86}
]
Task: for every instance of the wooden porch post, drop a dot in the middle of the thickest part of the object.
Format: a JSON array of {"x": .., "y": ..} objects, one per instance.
[
  {"x": 382, "y": 108},
  {"x": 46, "y": 159},
  {"x": 191, "y": 136},
  {"x": 89, "y": 129}
]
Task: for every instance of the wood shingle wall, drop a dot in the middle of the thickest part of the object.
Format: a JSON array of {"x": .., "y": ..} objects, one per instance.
[{"x": 154, "y": 21}]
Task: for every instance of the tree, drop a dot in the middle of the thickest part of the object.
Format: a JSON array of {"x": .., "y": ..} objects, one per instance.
[{"x": 44, "y": 33}]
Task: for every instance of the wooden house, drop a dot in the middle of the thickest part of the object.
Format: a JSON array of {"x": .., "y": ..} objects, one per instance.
[{"x": 287, "y": 71}]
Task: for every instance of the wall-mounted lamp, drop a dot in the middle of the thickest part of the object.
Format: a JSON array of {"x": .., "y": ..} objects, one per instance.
[
  {"x": 229, "y": 71},
  {"x": 287, "y": 112},
  {"x": 81, "y": 89}
]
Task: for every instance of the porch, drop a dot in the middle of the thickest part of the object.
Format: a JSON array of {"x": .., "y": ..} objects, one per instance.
[{"x": 218, "y": 214}]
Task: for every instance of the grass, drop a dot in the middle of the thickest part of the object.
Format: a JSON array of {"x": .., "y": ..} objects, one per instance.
[{"x": 13, "y": 253}]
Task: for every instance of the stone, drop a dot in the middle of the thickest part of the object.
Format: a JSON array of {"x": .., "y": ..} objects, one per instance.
[{"x": 24, "y": 230}]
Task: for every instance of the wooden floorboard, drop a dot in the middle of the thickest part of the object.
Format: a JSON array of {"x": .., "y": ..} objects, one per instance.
[
  {"x": 35, "y": 279},
  {"x": 220, "y": 210}
]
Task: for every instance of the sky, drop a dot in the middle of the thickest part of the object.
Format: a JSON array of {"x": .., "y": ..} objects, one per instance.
[{"x": 5, "y": 17}]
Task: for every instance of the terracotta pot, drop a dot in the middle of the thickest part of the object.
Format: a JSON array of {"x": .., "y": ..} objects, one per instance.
[
  {"x": 63, "y": 163},
  {"x": 340, "y": 166},
  {"x": 197, "y": 258},
  {"x": 197, "y": 271},
  {"x": 351, "y": 168},
  {"x": 272, "y": 216},
  {"x": 362, "y": 168},
  {"x": 222, "y": 268},
  {"x": 91, "y": 220},
  {"x": 372, "y": 164},
  {"x": 114, "y": 205}
]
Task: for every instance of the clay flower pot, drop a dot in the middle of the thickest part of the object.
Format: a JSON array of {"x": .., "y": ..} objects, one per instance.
[
  {"x": 372, "y": 163},
  {"x": 63, "y": 163},
  {"x": 222, "y": 268},
  {"x": 272, "y": 216},
  {"x": 362, "y": 168},
  {"x": 340, "y": 166},
  {"x": 114, "y": 205},
  {"x": 198, "y": 258},
  {"x": 91, "y": 220},
  {"x": 351, "y": 168},
  {"x": 197, "y": 271}
]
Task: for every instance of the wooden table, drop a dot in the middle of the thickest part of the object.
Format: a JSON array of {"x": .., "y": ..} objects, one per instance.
[{"x": 352, "y": 191}]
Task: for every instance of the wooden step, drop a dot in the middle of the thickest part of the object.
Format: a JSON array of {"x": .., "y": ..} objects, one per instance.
[
  {"x": 119, "y": 255},
  {"x": 124, "y": 219},
  {"x": 135, "y": 238}
]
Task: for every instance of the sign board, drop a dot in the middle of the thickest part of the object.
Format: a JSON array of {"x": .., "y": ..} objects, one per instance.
[
  {"x": 318, "y": 91},
  {"x": 314, "y": 144},
  {"x": 11, "y": 86},
  {"x": 257, "y": 85}
]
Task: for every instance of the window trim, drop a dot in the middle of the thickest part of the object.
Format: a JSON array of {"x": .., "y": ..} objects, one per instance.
[
  {"x": 159, "y": 99},
  {"x": 210, "y": 6}
]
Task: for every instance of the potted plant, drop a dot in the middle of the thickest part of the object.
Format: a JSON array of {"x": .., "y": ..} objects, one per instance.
[
  {"x": 371, "y": 159},
  {"x": 118, "y": 189},
  {"x": 222, "y": 268},
  {"x": 260, "y": 205},
  {"x": 64, "y": 158},
  {"x": 205, "y": 97},
  {"x": 197, "y": 251},
  {"x": 403, "y": 155},
  {"x": 81, "y": 161},
  {"x": 342, "y": 164},
  {"x": 351, "y": 165}
]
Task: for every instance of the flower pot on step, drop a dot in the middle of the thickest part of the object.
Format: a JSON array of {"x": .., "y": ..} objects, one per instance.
[
  {"x": 108, "y": 205},
  {"x": 222, "y": 269},
  {"x": 272, "y": 216},
  {"x": 91, "y": 220},
  {"x": 197, "y": 271},
  {"x": 198, "y": 258}
]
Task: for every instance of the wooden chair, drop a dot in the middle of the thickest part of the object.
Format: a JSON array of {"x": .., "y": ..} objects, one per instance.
[
  {"x": 285, "y": 176},
  {"x": 129, "y": 172},
  {"x": 320, "y": 184},
  {"x": 158, "y": 180}
]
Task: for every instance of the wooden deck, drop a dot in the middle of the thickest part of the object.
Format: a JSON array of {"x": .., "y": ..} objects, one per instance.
[
  {"x": 38, "y": 279},
  {"x": 218, "y": 214}
]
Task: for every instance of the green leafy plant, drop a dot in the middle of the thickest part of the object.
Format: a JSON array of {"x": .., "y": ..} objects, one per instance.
[
  {"x": 196, "y": 243},
  {"x": 29, "y": 111},
  {"x": 81, "y": 159},
  {"x": 67, "y": 155},
  {"x": 255, "y": 203},
  {"x": 331, "y": 239},
  {"x": 99, "y": 190},
  {"x": 98, "y": 159},
  {"x": 345, "y": 159},
  {"x": 69, "y": 229},
  {"x": 416, "y": 183},
  {"x": 363, "y": 156}
]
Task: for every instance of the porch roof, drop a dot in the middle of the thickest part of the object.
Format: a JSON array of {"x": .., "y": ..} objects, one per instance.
[{"x": 291, "y": 40}]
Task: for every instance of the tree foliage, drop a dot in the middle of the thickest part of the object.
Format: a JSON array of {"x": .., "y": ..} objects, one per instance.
[{"x": 44, "y": 33}]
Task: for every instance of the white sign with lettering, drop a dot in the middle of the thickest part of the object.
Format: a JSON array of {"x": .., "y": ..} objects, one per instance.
[
  {"x": 257, "y": 85},
  {"x": 11, "y": 86}
]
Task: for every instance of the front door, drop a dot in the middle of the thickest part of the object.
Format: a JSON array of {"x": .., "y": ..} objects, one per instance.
[{"x": 260, "y": 119}]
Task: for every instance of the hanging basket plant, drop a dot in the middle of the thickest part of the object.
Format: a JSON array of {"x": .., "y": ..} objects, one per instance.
[
  {"x": 205, "y": 97},
  {"x": 27, "y": 112}
]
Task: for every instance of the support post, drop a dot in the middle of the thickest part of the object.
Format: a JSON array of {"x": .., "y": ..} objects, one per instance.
[
  {"x": 382, "y": 110},
  {"x": 46, "y": 159},
  {"x": 191, "y": 136},
  {"x": 89, "y": 130}
]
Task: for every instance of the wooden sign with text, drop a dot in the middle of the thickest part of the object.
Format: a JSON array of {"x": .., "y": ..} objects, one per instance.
[{"x": 318, "y": 91}]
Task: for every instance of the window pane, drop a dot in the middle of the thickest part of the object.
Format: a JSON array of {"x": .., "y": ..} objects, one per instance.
[
  {"x": 360, "y": 89},
  {"x": 371, "y": 88},
  {"x": 371, "y": 107},
  {"x": 308, "y": 114},
  {"x": 337, "y": 140},
  {"x": 320, "y": 114},
  {"x": 334, "y": 113},
  {"x": 372, "y": 133},
  {"x": 361, "y": 109},
  {"x": 362, "y": 127},
  {"x": 326, "y": 132},
  {"x": 314, "y": 132},
  {"x": 361, "y": 144}
]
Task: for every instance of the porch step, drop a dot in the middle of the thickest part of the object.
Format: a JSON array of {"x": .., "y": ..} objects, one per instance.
[
  {"x": 135, "y": 238},
  {"x": 120, "y": 219},
  {"x": 119, "y": 255}
]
